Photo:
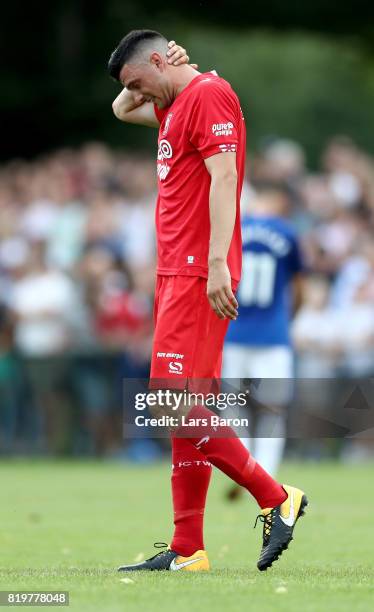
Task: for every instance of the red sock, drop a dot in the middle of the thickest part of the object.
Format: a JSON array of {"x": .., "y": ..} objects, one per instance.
[
  {"x": 228, "y": 454},
  {"x": 189, "y": 482}
]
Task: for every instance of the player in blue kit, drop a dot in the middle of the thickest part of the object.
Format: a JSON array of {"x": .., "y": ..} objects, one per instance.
[{"x": 258, "y": 342}]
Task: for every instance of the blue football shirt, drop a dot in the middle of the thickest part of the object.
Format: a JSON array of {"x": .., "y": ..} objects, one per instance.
[{"x": 271, "y": 258}]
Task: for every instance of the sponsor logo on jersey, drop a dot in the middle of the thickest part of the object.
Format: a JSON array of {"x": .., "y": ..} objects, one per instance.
[
  {"x": 175, "y": 367},
  {"x": 222, "y": 129},
  {"x": 170, "y": 355},
  {"x": 165, "y": 152},
  {"x": 190, "y": 259}
]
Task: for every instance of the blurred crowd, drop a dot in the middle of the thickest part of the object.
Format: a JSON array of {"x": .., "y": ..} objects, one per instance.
[
  {"x": 333, "y": 212},
  {"x": 77, "y": 265}
]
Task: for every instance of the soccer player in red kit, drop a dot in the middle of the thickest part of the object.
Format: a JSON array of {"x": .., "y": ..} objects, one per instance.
[{"x": 200, "y": 167}]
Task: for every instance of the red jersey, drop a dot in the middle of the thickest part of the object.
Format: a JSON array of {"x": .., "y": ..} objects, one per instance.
[{"x": 204, "y": 119}]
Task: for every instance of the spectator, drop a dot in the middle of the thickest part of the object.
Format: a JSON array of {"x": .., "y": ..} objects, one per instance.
[
  {"x": 77, "y": 257},
  {"x": 317, "y": 332},
  {"x": 42, "y": 302}
]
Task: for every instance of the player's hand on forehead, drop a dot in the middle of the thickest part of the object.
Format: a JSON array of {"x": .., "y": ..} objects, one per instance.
[{"x": 177, "y": 55}]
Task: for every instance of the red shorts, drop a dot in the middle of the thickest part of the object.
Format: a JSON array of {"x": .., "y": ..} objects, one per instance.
[{"x": 188, "y": 339}]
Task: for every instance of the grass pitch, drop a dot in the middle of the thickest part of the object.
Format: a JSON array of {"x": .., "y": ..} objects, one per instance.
[{"x": 69, "y": 525}]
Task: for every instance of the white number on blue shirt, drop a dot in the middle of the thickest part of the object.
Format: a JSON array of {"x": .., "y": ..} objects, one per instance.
[{"x": 258, "y": 276}]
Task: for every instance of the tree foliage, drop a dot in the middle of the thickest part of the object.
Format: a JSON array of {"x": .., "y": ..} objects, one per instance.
[{"x": 302, "y": 69}]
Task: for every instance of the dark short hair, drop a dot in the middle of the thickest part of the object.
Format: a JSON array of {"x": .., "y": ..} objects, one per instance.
[{"x": 128, "y": 47}]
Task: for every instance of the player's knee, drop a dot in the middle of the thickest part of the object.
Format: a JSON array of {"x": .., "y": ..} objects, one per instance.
[
  {"x": 157, "y": 411},
  {"x": 161, "y": 410},
  {"x": 173, "y": 406}
]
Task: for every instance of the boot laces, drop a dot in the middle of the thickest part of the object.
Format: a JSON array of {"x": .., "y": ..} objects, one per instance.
[
  {"x": 268, "y": 521},
  {"x": 162, "y": 552}
]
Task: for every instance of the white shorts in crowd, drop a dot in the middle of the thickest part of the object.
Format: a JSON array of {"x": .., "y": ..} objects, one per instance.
[{"x": 274, "y": 362}]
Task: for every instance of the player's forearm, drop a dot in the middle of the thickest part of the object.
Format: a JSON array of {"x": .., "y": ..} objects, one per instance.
[
  {"x": 222, "y": 206},
  {"x": 124, "y": 103},
  {"x": 297, "y": 293}
]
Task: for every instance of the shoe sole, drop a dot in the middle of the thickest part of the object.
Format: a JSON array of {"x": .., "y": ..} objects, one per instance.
[{"x": 303, "y": 505}]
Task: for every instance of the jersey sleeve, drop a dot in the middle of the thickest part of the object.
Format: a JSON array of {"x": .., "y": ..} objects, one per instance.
[
  {"x": 213, "y": 127},
  {"x": 160, "y": 113},
  {"x": 295, "y": 257}
]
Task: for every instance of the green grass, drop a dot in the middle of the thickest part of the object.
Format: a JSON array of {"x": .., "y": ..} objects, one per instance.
[{"x": 69, "y": 525}]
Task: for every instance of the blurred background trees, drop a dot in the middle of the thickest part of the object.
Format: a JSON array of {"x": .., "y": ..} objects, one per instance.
[{"x": 302, "y": 70}]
